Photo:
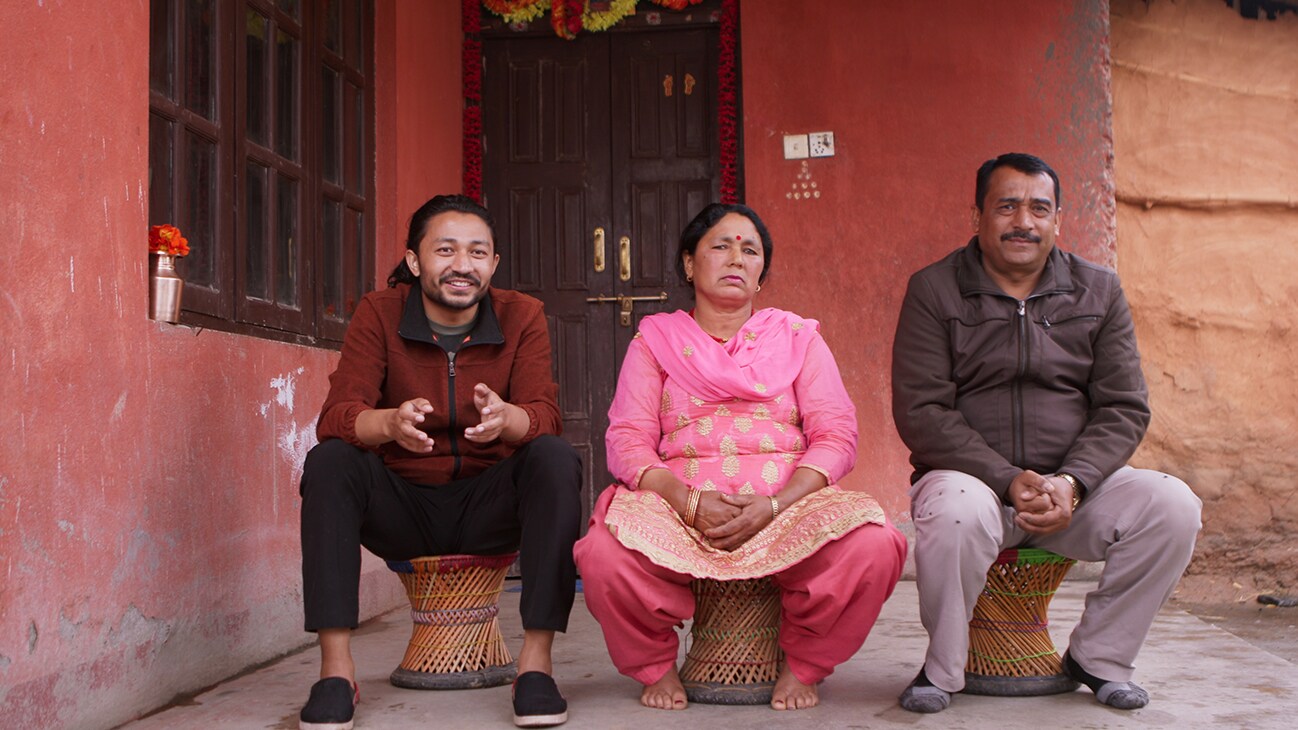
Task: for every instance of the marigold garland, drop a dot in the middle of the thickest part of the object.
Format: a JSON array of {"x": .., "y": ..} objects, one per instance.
[
  {"x": 597, "y": 20},
  {"x": 517, "y": 11},
  {"x": 471, "y": 74},
  {"x": 570, "y": 17},
  {"x": 565, "y": 17},
  {"x": 727, "y": 98},
  {"x": 676, "y": 4}
]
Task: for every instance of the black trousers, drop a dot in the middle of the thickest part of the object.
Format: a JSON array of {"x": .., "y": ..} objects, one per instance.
[{"x": 530, "y": 502}]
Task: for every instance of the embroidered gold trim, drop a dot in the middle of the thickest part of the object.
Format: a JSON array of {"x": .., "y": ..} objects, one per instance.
[{"x": 644, "y": 522}]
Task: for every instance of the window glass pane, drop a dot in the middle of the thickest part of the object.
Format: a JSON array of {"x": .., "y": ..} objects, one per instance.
[
  {"x": 286, "y": 243},
  {"x": 331, "y": 263},
  {"x": 356, "y": 142},
  {"x": 333, "y": 27},
  {"x": 198, "y": 223},
  {"x": 286, "y": 95},
  {"x": 256, "y": 209},
  {"x": 200, "y": 57},
  {"x": 332, "y": 138},
  {"x": 162, "y": 48},
  {"x": 354, "y": 28},
  {"x": 258, "y": 72},
  {"x": 289, "y": 7},
  {"x": 161, "y": 161}
]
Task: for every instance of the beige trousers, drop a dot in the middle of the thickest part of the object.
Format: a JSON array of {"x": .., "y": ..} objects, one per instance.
[{"x": 1141, "y": 523}]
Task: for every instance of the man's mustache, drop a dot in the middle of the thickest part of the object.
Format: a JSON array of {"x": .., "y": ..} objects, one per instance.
[
  {"x": 448, "y": 277},
  {"x": 1021, "y": 236}
]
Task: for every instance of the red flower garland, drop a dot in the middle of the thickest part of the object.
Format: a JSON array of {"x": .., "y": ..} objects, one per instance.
[
  {"x": 472, "y": 78},
  {"x": 565, "y": 17},
  {"x": 676, "y": 4},
  {"x": 727, "y": 93}
]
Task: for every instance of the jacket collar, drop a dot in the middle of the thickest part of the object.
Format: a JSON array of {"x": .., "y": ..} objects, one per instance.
[
  {"x": 414, "y": 323},
  {"x": 973, "y": 279}
]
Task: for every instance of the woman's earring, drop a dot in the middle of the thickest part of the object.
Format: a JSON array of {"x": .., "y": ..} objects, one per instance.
[
  {"x": 759, "y": 287},
  {"x": 689, "y": 279}
]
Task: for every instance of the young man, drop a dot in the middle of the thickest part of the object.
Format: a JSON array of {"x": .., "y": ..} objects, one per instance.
[
  {"x": 440, "y": 436},
  {"x": 1017, "y": 387}
]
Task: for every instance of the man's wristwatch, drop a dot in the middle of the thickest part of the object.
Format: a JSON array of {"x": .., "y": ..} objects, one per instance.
[{"x": 1078, "y": 489}]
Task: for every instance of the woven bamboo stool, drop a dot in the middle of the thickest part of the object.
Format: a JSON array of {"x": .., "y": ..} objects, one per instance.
[
  {"x": 1010, "y": 651},
  {"x": 734, "y": 654},
  {"x": 456, "y": 642}
]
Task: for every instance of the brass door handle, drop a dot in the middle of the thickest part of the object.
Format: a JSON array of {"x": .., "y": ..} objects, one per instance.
[
  {"x": 599, "y": 249},
  {"x": 625, "y": 304},
  {"x": 624, "y": 258}
]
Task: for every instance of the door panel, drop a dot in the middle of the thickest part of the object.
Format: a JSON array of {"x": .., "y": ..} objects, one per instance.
[
  {"x": 664, "y": 155},
  {"x": 597, "y": 133}
]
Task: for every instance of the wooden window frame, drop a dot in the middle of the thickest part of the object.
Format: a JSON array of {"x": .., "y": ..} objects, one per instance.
[{"x": 228, "y": 303}]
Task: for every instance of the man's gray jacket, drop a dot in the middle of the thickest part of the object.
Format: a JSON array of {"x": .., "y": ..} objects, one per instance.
[{"x": 988, "y": 385}]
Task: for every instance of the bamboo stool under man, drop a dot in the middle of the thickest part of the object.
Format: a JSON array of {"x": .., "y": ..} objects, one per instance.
[
  {"x": 456, "y": 642},
  {"x": 1010, "y": 651}
]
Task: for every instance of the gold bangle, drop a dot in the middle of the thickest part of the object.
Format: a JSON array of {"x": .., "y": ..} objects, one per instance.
[
  {"x": 775, "y": 508},
  {"x": 692, "y": 505}
]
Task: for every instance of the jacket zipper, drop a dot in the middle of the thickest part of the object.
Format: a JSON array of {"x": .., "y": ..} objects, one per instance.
[
  {"x": 1016, "y": 393},
  {"x": 455, "y": 446}
]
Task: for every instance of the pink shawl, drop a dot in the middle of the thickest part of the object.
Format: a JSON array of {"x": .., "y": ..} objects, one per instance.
[{"x": 763, "y": 358}]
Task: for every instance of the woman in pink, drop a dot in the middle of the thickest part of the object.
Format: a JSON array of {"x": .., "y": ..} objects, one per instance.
[{"x": 728, "y": 434}]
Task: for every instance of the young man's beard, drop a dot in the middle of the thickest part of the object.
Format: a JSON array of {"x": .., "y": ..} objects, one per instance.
[{"x": 439, "y": 297}]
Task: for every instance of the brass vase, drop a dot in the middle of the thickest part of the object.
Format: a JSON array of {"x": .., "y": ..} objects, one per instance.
[{"x": 164, "y": 289}]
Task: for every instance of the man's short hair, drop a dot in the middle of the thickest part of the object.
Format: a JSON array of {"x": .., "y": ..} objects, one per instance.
[{"x": 1024, "y": 163}]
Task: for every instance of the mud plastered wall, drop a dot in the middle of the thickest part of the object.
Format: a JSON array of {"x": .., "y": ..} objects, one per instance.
[{"x": 1205, "y": 111}]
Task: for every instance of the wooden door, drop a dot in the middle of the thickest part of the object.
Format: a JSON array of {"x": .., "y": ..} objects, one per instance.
[{"x": 608, "y": 137}]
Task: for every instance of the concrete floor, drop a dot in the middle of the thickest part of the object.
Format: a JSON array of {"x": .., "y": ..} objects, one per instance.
[{"x": 1199, "y": 676}]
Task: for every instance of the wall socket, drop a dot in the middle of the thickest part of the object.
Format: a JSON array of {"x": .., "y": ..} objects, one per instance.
[
  {"x": 795, "y": 146},
  {"x": 821, "y": 144}
]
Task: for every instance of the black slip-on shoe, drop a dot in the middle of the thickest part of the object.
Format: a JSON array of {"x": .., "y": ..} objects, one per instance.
[
  {"x": 331, "y": 706},
  {"x": 537, "y": 702}
]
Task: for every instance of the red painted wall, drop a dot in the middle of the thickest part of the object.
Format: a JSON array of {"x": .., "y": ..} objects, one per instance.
[
  {"x": 148, "y": 473},
  {"x": 917, "y": 95},
  {"x": 148, "y": 477}
]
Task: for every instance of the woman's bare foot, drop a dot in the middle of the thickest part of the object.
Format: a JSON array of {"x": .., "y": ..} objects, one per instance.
[
  {"x": 790, "y": 694},
  {"x": 666, "y": 694}
]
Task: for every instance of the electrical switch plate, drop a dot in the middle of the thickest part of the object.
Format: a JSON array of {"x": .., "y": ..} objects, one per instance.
[
  {"x": 821, "y": 144},
  {"x": 795, "y": 146}
]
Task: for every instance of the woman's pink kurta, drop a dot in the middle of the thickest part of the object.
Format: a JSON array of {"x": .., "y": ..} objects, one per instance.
[{"x": 738, "y": 417}]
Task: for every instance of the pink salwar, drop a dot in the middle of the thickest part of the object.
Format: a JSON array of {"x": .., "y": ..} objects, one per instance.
[{"x": 830, "y": 600}]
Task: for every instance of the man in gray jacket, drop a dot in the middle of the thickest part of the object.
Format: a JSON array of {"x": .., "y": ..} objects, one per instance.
[{"x": 1017, "y": 387}]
